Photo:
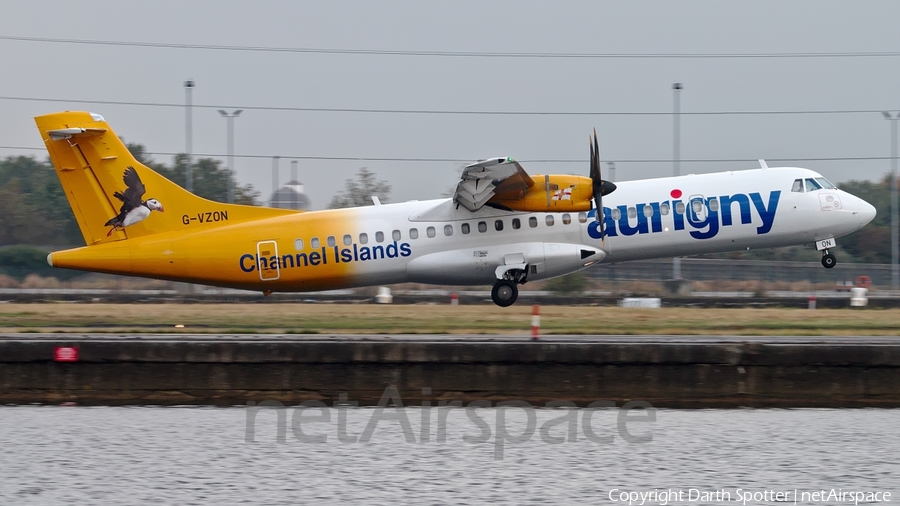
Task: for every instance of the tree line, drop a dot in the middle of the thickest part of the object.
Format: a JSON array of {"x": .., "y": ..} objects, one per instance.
[
  {"x": 34, "y": 209},
  {"x": 872, "y": 244}
]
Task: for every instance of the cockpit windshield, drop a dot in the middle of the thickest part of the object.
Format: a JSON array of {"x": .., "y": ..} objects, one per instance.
[
  {"x": 811, "y": 184},
  {"x": 825, "y": 183}
]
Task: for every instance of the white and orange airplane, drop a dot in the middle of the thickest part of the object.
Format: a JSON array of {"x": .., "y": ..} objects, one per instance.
[{"x": 501, "y": 227}]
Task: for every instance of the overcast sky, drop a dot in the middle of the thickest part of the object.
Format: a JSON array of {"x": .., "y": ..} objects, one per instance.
[{"x": 72, "y": 73}]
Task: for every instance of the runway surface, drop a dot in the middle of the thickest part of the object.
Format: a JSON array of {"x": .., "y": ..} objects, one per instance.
[{"x": 454, "y": 338}]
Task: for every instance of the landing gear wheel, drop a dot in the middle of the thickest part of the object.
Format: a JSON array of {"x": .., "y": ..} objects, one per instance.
[
  {"x": 504, "y": 293},
  {"x": 828, "y": 261}
]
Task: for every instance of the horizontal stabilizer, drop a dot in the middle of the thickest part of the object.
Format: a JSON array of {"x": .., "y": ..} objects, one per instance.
[{"x": 68, "y": 133}]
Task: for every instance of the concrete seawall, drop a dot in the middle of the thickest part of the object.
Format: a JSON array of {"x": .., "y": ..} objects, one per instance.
[{"x": 678, "y": 371}]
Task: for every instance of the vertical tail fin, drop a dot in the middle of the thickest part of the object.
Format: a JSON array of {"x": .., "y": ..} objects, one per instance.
[{"x": 91, "y": 162}]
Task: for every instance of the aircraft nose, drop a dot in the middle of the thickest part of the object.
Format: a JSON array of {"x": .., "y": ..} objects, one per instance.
[{"x": 866, "y": 213}]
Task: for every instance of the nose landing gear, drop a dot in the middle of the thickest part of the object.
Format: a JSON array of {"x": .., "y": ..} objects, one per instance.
[{"x": 828, "y": 260}]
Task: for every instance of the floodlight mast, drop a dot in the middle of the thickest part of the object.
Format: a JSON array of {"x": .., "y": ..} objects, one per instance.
[
  {"x": 188, "y": 131},
  {"x": 230, "y": 140},
  {"x": 676, "y": 154},
  {"x": 895, "y": 231}
]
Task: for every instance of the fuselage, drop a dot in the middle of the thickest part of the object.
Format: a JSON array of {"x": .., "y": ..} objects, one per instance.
[{"x": 436, "y": 241}]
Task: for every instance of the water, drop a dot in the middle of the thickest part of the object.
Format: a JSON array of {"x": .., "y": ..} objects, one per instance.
[{"x": 140, "y": 455}]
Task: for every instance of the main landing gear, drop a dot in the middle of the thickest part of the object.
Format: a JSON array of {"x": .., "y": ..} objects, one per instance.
[
  {"x": 506, "y": 291},
  {"x": 828, "y": 260}
]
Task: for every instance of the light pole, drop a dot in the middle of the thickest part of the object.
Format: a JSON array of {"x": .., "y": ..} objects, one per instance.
[
  {"x": 188, "y": 127},
  {"x": 676, "y": 154},
  {"x": 274, "y": 179},
  {"x": 676, "y": 127},
  {"x": 612, "y": 171},
  {"x": 895, "y": 232},
  {"x": 293, "y": 181},
  {"x": 230, "y": 121}
]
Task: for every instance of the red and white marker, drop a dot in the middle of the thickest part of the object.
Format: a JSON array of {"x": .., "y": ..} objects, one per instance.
[
  {"x": 65, "y": 354},
  {"x": 535, "y": 322}
]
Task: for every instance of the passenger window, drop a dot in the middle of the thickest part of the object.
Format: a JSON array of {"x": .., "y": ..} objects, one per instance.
[
  {"x": 465, "y": 228},
  {"x": 516, "y": 224},
  {"x": 825, "y": 183},
  {"x": 348, "y": 240},
  {"x": 679, "y": 208},
  {"x": 298, "y": 244},
  {"x": 379, "y": 236},
  {"x": 798, "y": 186},
  {"x": 498, "y": 225},
  {"x": 363, "y": 238},
  {"x": 429, "y": 231},
  {"x": 697, "y": 206},
  {"x": 582, "y": 217},
  {"x": 395, "y": 235},
  {"x": 314, "y": 243},
  {"x": 448, "y": 230},
  {"x": 812, "y": 185},
  {"x": 648, "y": 211},
  {"x": 567, "y": 219},
  {"x": 549, "y": 220},
  {"x": 713, "y": 204},
  {"x": 482, "y": 226},
  {"x": 632, "y": 212},
  {"x": 664, "y": 209},
  {"x": 413, "y": 233},
  {"x": 532, "y": 222},
  {"x": 331, "y": 242},
  {"x": 616, "y": 214}
]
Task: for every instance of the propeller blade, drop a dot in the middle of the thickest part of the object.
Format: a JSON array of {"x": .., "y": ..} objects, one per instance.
[
  {"x": 597, "y": 181},
  {"x": 599, "y": 186}
]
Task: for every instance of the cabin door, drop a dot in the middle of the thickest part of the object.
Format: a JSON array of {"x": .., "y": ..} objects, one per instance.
[
  {"x": 696, "y": 212},
  {"x": 267, "y": 261}
]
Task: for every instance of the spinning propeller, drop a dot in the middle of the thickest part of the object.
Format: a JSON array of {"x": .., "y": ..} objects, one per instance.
[{"x": 600, "y": 186}]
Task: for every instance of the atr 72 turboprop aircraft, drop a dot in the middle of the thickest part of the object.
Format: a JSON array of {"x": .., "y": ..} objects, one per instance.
[{"x": 501, "y": 227}]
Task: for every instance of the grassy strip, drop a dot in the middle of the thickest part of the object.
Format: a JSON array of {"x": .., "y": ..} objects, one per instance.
[{"x": 438, "y": 319}]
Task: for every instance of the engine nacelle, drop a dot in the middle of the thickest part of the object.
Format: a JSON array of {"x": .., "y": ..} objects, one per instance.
[
  {"x": 480, "y": 265},
  {"x": 554, "y": 193}
]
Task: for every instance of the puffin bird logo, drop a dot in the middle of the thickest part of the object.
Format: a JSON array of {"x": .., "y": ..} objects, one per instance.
[{"x": 134, "y": 209}]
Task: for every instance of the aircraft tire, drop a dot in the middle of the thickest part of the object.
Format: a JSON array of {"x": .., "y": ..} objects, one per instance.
[
  {"x": 829, "y": 261},
  {"x": 504, "y": 293}
]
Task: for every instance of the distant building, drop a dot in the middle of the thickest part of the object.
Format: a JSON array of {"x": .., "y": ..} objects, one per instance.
[{"x": 290, "y": 196}]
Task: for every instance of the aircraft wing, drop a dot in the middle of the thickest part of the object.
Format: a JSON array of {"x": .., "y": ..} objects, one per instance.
[{"x": 485, "y": 179}]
